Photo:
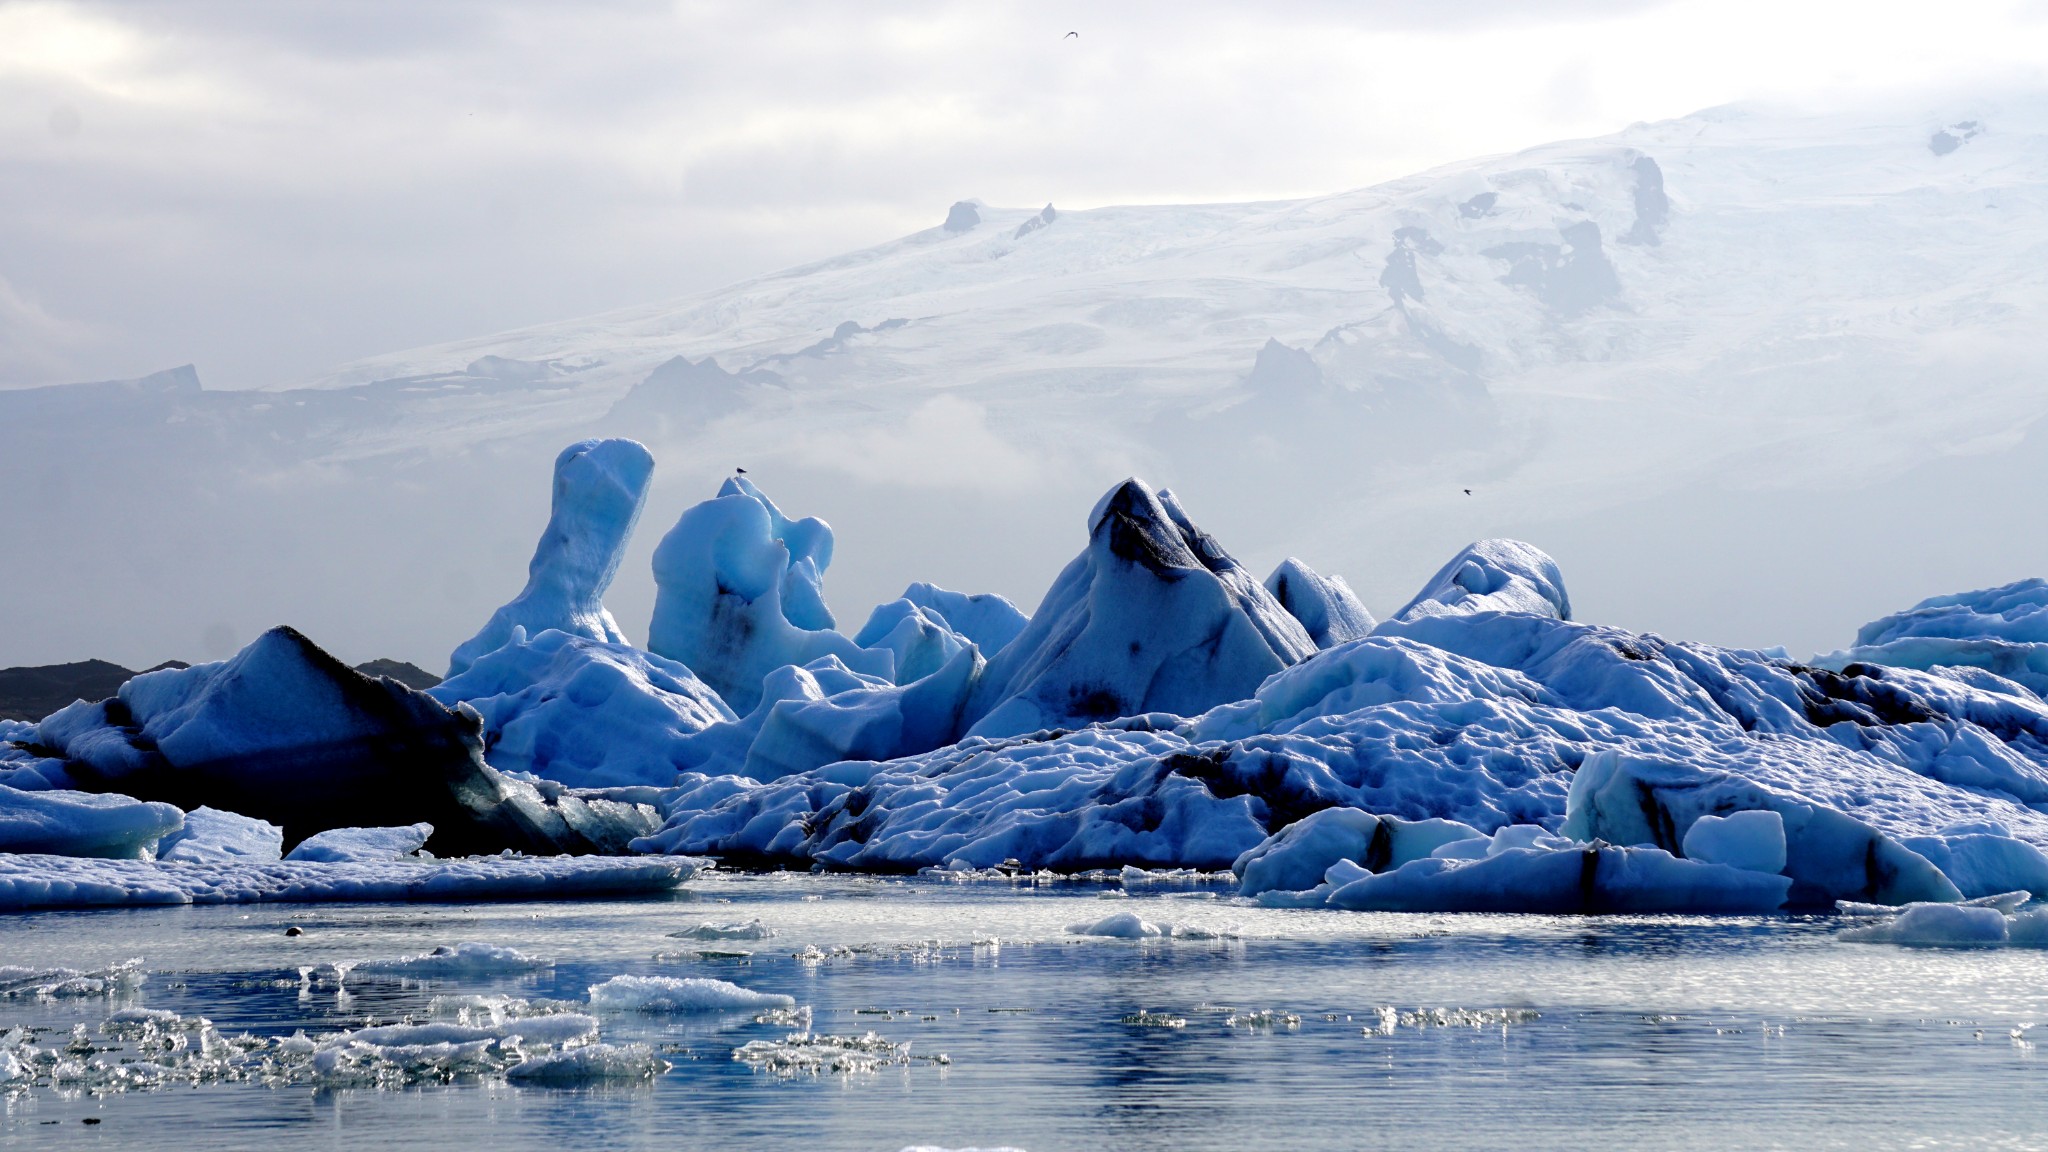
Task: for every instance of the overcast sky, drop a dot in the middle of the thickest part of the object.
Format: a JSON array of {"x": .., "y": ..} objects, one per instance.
[{"x": 269, "y": 189}]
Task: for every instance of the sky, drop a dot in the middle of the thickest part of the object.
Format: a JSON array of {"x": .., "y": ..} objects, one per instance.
[{"x": 268, "y": 190}]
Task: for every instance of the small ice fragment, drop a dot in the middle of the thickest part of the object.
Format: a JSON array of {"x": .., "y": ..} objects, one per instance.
[
  {"x": 1119, "y": 925},
  {"x": 689, "y": 994}
]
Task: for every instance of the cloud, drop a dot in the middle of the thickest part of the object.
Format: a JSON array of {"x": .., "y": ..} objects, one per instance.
[
  {"x": 270, "y": 190},
  {"x": 946, "y": 443}
]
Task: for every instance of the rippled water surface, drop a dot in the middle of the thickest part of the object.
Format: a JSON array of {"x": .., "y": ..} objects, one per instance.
[{"x": 1664, "y": 1032}]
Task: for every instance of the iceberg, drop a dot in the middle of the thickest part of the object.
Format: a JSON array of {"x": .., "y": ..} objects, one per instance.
[
  {"x": 1999, "y": 631},
  {"x": 1493, "y": 576},
  {"x": 600, "y": 487},
  {"x": 284, "y": 732},
  {"x": 1563, "y": 878},
  {"x": 1488, "y": 719},
  {"x": 919, "y": 639},
  {"x": 739, "y": 593},
  {"x": 83, "y": 824},
  {"x": 1326, "y": 606},
  {"x": 582, "y": 712},
  {"x": 1296, "y": 858},
  {"x": 1829, "y": 855},
  {"x": 1152, "y": 617},
  {"x": 984, "y": 619}
]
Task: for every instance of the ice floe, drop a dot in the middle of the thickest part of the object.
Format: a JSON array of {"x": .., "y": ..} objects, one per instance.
[
  {"x": 32, "y": 881},
  {"x": 685, "y": 994},
  {"x": 83, "y": 823},
  {"x": 357, "y": 845},
  {"x": 465, "y": 959}
]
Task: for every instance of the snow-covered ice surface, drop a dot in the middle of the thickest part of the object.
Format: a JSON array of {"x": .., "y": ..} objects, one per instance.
[{"x": 962, "y": 1014}]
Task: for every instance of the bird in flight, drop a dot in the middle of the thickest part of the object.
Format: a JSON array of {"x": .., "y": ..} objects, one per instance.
[
  {"x": 1071, "y": 36},
  {"x": 1468, "y": 491}
]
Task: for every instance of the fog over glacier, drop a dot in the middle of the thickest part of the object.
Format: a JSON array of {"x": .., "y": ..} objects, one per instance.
[{"x": 1753, "y": 374}]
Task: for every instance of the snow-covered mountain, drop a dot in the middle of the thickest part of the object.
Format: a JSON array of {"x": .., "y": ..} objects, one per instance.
[{"x": 1752, "y": 376}]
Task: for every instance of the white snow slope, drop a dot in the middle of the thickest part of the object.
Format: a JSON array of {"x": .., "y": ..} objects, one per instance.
[{"x": 1752, "y": 346}]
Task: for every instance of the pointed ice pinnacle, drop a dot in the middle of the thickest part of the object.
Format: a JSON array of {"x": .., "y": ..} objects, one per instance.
[
  {"x": 1493, "y": 576},
  {"x": 600, "y": 486},
  {"x": 739, "y": 593},
  {"x": 1325, "y": 605},
  {"x": 1153, "y": 616}
]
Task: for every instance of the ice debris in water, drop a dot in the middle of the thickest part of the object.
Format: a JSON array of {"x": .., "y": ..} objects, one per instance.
[
  {"x": 1389, "y": 1018},
  {"x": 70, "y": 983},
  {"x": 1978, "y": 924},
  {"x": 588, "y": 1064},
  {"x": 751, "y": 930},
  {"x": 1144, "y": 1019},
  {"x": 1267, "y": 1018},
  {"x": 465, "y": 959},
  {"x": 805, "y": 1053},
  {"x": 151, "y": 1048},
  {"x": 688, "y": 994}
]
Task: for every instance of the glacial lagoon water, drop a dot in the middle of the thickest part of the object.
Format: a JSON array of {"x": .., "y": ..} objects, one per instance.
[{"x": 1652, "y": 1032}]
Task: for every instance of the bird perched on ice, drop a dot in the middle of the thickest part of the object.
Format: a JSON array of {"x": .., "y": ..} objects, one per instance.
[{"x": 743, "y": 472}]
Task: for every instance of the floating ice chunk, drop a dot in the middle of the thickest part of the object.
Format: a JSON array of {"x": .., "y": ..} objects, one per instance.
[
  {"x": 739, "y": 594},
  {"x": 465, "y": 959},
  {"x": 1493, "y": 576},
  {"x": 1118, "y": 925},
  {"x": 2028, "y": 929},
  {"x": 1829, "y": 855},
  {"x": 211, "y": 835},
  {"x": 583, "y": 712},
  {"x": 1983, "y": 863},
  {"x": 1152, "y": 617},
  {"x": 590, "y": 1064},
  {"x": 29, "y": 881},
  {"x": 1937, "y": 926},
  {"x": 688, "y": 994},
  {"x": 338, "y": 845},
  {"x": 751, "y": 930},
  {"x": 1585, "y": 878},
  {"x": 600, "y": 487},
  {"x": 83, "y": 824},
  {"x": 807, "y": 1053},
  {"x": 1326, "y": 606},
  {"x": 1754, "y": 840}
]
